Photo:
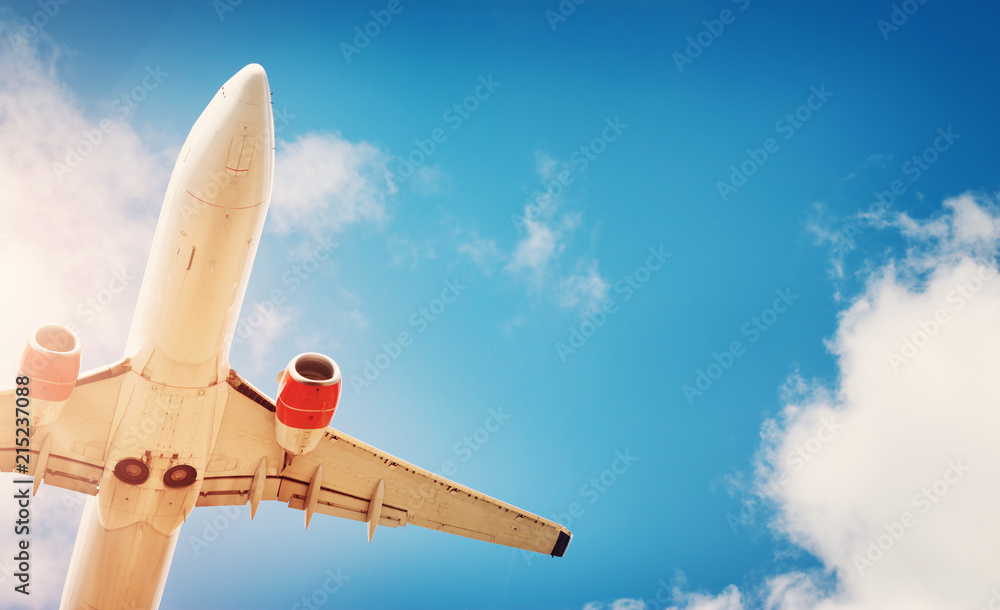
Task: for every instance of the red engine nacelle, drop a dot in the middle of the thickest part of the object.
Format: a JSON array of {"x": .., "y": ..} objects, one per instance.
[
  {"x": 308, "y": 393},
  {"x": 52, "y": 363}
]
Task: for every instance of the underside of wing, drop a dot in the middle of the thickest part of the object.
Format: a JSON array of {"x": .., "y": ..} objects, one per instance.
[
  {"x": 71, "y": 449},
  {"x": 347, "y": 478}
]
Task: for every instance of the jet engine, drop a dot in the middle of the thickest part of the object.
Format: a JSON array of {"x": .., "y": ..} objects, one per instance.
[
  {"x": 51, "y": 361},
  {"x": 308, "y": 393}
]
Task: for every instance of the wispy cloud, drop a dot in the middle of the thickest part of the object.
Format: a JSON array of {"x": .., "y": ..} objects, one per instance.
[
  {"x": 970, "y": 226},
  {"x": 267, "y": 333},
  {"x": 483, "y": 252},
  {"x": 878, "y": 160},
  {"x": 408, "y": 251},
  {"x": 545, "y": 227},
  {"x": 618, "y": 604},
  {"x": 539, "y": 248},
  {"x": 546, "y": 230},
  {"x": 585, "y": 288},
  {"x": 430, "y": 180},
  {"x": 730, "y": 599},
  {"x": 840, "y": 235},
  {"x": 324, "y": 184},
  {"x": 66, "y": 240}
]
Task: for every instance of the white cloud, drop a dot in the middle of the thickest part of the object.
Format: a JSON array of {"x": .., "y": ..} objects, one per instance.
[
  {"x": 545, "y": 230},
  {"x": 729, "y": 599},
  {"x": 482, "y": 251},
  {"x": 841, "y": 235},
  {"x": 875, "y": 160},
  {"x": 66, "y": 238},
  {"x": 889, "y": 478},
  {"x": 970, "y": 228},
  {"x": 406, "y": 250},
  {"x": 547, "y": 167},
  {"x": 545, "y": 234},
  {"x": 355, "y": 315},
  {"x": 264, "y": 336},
  {"x": 537, "y": 249},
  {"x": 323, "y": 184},
  {"x": 429, "y": 180},
  {"x": 65, "y": 241},
  {"x": 619, "y": 604},
  {"x": 585, "y": 288}
]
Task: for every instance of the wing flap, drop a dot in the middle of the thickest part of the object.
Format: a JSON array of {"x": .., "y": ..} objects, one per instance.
[
  {"x": 337, "y": 504},
  {"x": 351, "y": 474},
  {"x": 72, "y": 475},
  {"x": 433, "y": 502},
  {"x": 233, "y": 491}
]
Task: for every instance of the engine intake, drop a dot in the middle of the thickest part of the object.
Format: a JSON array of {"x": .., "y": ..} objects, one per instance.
[
  {"x": 52, "y": 362},
  {"x": 308, "y": 394}
]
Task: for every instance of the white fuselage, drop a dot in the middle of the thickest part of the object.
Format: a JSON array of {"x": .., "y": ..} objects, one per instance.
[{"x": 173, "y": 399}]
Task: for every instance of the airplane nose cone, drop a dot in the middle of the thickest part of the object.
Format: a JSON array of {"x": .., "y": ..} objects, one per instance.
[{"x": 249, "y": 85}]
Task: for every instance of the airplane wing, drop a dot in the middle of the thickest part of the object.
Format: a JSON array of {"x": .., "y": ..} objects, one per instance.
[
  {"x": 347, "y": 478},
  {"x": 74, "y": 457}
]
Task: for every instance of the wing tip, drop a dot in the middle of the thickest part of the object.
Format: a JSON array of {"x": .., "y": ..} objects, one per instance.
[{"x": 561, "y": 543}]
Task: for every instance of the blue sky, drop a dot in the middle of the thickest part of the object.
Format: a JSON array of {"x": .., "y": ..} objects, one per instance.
[{"x": 819, "y": 103}]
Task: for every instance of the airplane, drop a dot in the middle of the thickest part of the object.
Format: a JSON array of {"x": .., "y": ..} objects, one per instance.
[{"x": 172, "y": 427}]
